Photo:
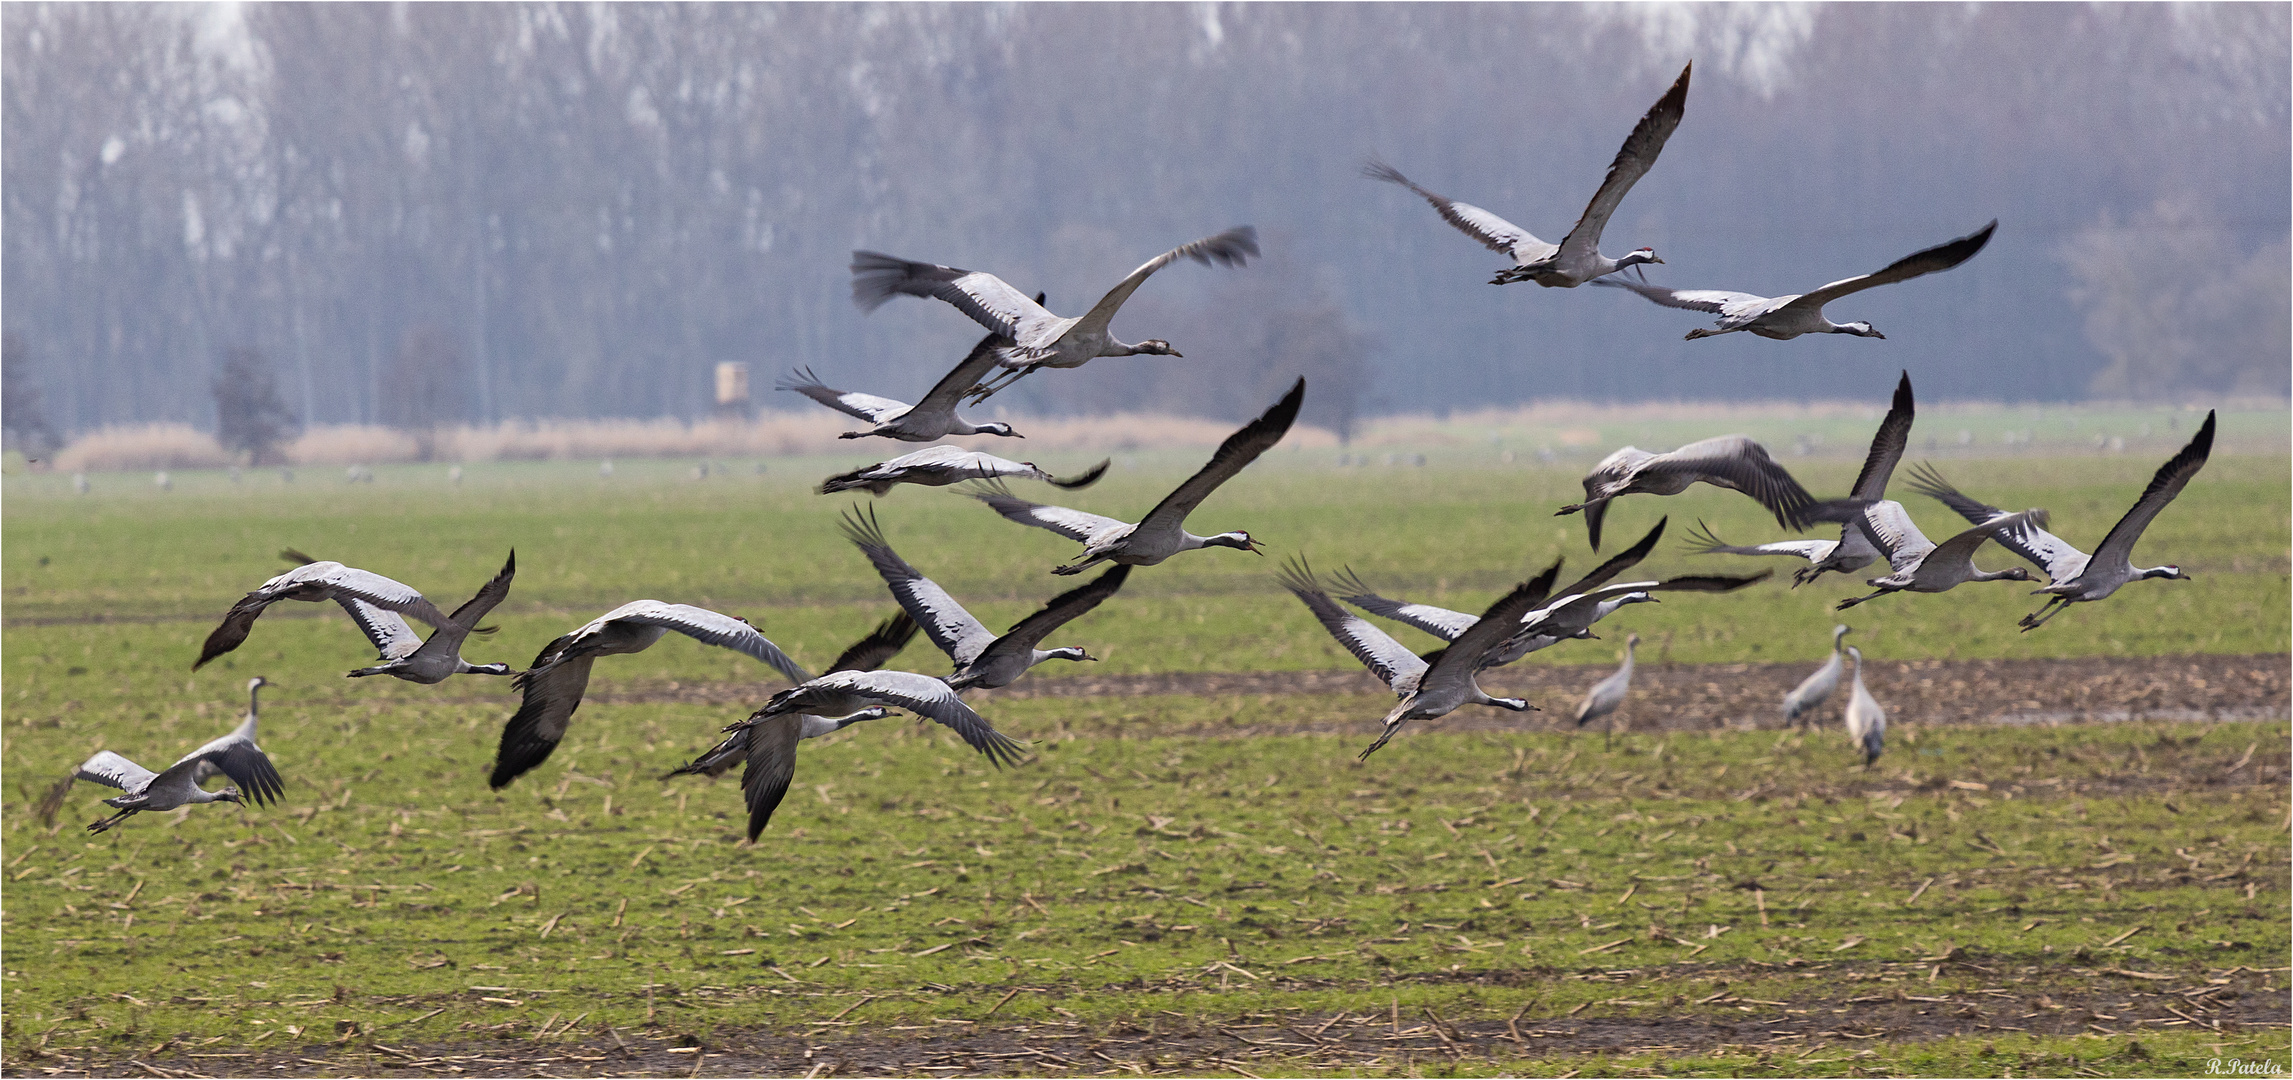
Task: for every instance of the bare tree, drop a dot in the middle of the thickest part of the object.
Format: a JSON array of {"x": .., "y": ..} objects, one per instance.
[
  {"x": 423, "y": 390},
  {"x": 23, "y": 415},
  {"x": 1244, "y": 337},
  {"x": 2177, "y": 310},
  {"x": 250, "y": 416}
]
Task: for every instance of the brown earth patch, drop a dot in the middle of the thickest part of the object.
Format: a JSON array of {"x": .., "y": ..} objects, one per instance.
[
  {"x": 1704, "y": 696},
  {"x": 1898, "y": 1006}
]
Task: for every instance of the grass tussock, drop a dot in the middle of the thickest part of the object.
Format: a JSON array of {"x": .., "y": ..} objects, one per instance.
[{"x": 179, "y": 446}]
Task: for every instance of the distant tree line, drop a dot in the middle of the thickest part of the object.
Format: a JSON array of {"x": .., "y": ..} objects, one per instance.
[{"x": 426, "y": 214}]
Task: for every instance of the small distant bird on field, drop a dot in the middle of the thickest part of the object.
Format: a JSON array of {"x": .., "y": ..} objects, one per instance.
[
  {"x": 1608, "y": 694},
  {"x": 1786, "y": 317},
  {"x": 1852, "y": 551},
  {"x": 982, "y": 658},
  {"x": 1577, "y": 258},
  {"x": 1162, "y": 533},
  {"x": 2075, "y": 577},
  {"x": 1812, "y": 690},
  {"x": 1437, "y": 683},
  {"x": 234, "y": 756},
  {"x": 553, "y": 686},
  {"x": 931, "y": 418},
  {"x": 939, "y": 466},
  {"x": 1920, "y": 565},
  {"x": 431, "y": 661},
  {"x": 317, "y": 582},
  {"x": 1038, "y": 339},
  {"x": 1866, "y": 721}
]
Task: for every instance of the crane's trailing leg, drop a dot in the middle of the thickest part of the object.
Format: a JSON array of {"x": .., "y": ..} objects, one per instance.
[
  {"x": 1854, "y": 600},
  {"x": 107, "y": 823},
  {"x": 2054, "y": 606}
]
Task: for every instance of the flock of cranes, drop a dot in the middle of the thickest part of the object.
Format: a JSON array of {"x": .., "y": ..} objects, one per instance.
[{"x": 1023, "y": 337}]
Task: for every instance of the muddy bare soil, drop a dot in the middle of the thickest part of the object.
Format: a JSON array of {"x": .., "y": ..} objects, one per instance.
[
  {"x": 1380, "y": 1037},
  {"x": 1704, "y": 696}
]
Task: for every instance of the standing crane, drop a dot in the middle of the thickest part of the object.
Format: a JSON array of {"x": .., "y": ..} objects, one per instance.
[{"x": 1608, "y": 694}]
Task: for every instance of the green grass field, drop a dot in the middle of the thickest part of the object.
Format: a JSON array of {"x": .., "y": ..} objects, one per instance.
[{"x": 1125, "y": 885}]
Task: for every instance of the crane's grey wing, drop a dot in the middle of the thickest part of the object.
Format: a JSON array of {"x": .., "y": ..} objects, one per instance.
[
  {"x": 2043, "y": 549},
  {"x": 297, "y": 557},
  {"x": 369, "y": 586},
  {"x": 1735, "y": 461},
  {"x": 1633, "y": 161},
  {"x": 1715, "y": 301},
  {"x": 1703, "y": 542},
  {"x": 989, "y": 300},
  {"x": 943, "y": 620},
  {"x": 1890, "y": 529},
  {"x": 2118, "y": 547},
  {"x": 920, "y": 694},
  {"x": 867, "y": 407},
  {"x": 1963, "y": 545},
  {"x": 1494, "y": 233},
  {"x": 112, "y": 770},
  {"x": 551, "y": 694},
  {"x": 1083, "y": 479},
  {"x": 1437, "y": 621},
  {"x": 229, "y": 634},
  {"x": 449, "y": 640},
  {"x": 1073, "y": 524},
  {"x": 1060, "y": 610},
  {"x": 489, "y": 594},
  {"x": 1467, "y": 654},
  {"x": 237, "y": 757},
  {"x": 1234, "y": 247},
  {"x": 967, "y": 373},
  {"x": 1620, "y": 562},
  {"x": 713, "y": 628},
  {"x": 1887, "y": 445},
  {"x": 771, "y": 767},
  {"x": 1233, "y": 455},
  {"x": 1939, "y": 257},
  {"x": 1385, "y": 658},
  {"x": 881, "y": 644},
  {"x": 1712, "y": 582},
  {"x": 393, "y": 639},
  {"x": 1928, "y": 480},
  {"x": 714, "y": 761}
]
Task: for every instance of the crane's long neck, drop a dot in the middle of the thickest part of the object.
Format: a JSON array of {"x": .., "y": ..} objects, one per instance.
[{"x": 1974, "y": 574}]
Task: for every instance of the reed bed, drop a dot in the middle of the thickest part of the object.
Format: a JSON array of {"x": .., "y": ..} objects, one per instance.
[{"x": 778, "y": 434}]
